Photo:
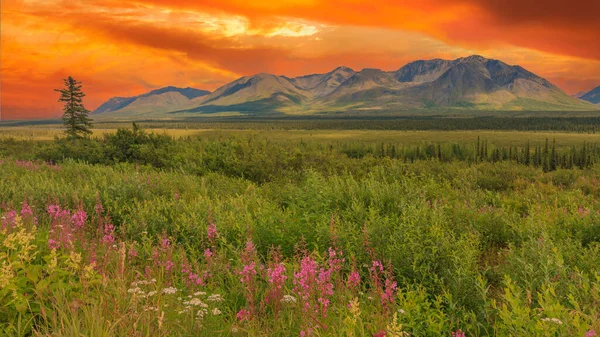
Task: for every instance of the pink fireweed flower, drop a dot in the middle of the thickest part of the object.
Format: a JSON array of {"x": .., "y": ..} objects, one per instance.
[
  {"x": 335, "y": 259},
  {"x": 276, "y": 275},
  {"x": 353, "y": 280},
  {"x": 305, "y": 279},
  {"x": 99, "y": 209},
  {"x": 248, "y": 272},
  {"x": 169, "y": 265},
  {"x": 53, "y": 244},
  {"x": 8, "y": 221},
  {"x": 377, "y": 265},
  {"x": 133, "y": 253},
  {"x": 78, "y": 219},
  {"x": 165, "y": 243},
  {"x": 380, "y": 334},
  {"x": 212, "y": 231},
  {"x": 54, "y": 210},
  {"x": 458, "y": 333},
  {"x": 590, "y": 333},
  {"x": 208, "y": 254},
  {"x": 243, "y": 315},
  {"x": 26, "y": 210},
  {"x": 109, "y": 230},
  {"x": 390, "y": 288}
]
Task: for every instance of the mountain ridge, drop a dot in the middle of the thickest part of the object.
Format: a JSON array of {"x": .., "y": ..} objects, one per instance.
[
  {"x": 592, "y": 96},
  {"x": 472, "y": 82}
]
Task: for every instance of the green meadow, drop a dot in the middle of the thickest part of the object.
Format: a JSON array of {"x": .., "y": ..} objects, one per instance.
[{"x": 276, "y": 229}]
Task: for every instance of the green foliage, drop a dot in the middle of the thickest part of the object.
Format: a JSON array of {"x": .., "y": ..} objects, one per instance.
[{"x": 491, "y": 248}]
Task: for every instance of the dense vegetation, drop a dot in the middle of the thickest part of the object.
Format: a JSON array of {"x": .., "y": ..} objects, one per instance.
[
  {"x": 589, "y": 123},
  {"x": 137, "y": 234}
]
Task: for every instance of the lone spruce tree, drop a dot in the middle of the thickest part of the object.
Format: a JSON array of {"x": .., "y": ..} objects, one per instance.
[{"x": 75, "y": 116}]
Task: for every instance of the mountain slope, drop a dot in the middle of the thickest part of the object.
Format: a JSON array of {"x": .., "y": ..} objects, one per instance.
[
  {"x": 593, "y": 96},
  {"x": 157, "y": 101},
  {"x": 473, "y": 82}
]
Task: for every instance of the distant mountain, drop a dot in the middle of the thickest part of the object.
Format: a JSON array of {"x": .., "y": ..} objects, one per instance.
[
  {"x": 157, "y": 101},
  {"x": 592, "y": 96},
  {"x": 474, "y": 83}
]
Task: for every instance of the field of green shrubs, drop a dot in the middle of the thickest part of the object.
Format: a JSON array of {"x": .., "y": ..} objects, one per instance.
[{"x": 143, "y": 235}]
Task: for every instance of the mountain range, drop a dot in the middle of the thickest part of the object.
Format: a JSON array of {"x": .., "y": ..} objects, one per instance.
[
  {"x": 473, "y": 82},
  {"x": 593, "y": 96}
]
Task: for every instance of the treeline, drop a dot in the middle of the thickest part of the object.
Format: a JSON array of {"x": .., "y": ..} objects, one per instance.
[
  {"x": 404, "y": 123},
  {"x": 261, "y": 160},
  {"x": 548, "y": 156}
]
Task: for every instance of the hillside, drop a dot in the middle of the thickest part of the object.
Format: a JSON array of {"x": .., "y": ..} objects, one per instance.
[
  {"x": 593, "y": 96},
  {"x": 154, "y": 102},
  {"x": 473, "y": 83}
]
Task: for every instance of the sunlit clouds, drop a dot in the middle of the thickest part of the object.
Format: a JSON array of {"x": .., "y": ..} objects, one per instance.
[{"x": 126, "y": 48}]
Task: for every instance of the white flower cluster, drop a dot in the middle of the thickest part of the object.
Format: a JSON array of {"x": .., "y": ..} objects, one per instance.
[
  {"x": 195, "y": 302},
  {"x": 288, "y": 299},
  {"x": 552, "y": 320},
  {"x": 136, "y": 291},
  {"x": 169, "y": 290},
  {"x": 215, "y": 298}
]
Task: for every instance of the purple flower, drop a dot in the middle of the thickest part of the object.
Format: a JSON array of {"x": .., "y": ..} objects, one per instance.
[
  {"x": 458, "y": 333},
  {"x": 212, "y": 231}
]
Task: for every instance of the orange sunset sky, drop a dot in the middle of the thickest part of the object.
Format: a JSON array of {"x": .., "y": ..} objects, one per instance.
[{"x": 125, "y": 48}]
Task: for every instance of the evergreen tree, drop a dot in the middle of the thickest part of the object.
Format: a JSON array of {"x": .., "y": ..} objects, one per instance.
[{"x": 75, "y": 116}]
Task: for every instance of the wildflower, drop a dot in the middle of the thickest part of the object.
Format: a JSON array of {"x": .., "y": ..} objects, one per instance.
[
  {"x": 136, "y": 290},
  {"x": 199, "y": 293},
  {"x": 88, "y": 271},
  {"x": 277, "y": 275},
  {"x": 401, "y": 311},
  {"x": 590, "y": 333},
  {"x": 353, "y": 280},
  {"x": 169, "y": 290},
  {"x": 390, "y": 289},
  {"x": 335, "y": 262},
  {"x": 243, "y": 315},
  {"x": 305, "y": 279},
  {"x": 151, "y": 293},
  {"x": 288, "y": 299},
  {"x": 165, "y": 243},
  {"x": 151, "y": 308},
  {"x": 215, "y": 298},
  {"x": 354, "y": 307},
  {"x": 380, "y": 334},
  {"x": 133, "y": 253},
  {"x": 74, "y": 260},
  {"x": 211, "y": 231},
  {"x": 458, "y": 333},
  {"x": 109, "y": 231},
  {"x": 169, "y": 265},
  {"x": 6, "y": 274},
  {"x": 552, "y": 320},
  {"x": 78, "y": 219},
  {"x": 208, "y": 254},
  {"x": 53, "y": 244},
  {"x": 394, "y": 329},
  {"x": 201, "y": 313},
  {"x": 195, "y": 302},
  {"x": 216, "y": 311}
]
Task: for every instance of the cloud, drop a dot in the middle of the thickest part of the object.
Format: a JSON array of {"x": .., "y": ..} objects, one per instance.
[
  {"x": 126, "y": 48},
  {"x": 556, "y": 26}
]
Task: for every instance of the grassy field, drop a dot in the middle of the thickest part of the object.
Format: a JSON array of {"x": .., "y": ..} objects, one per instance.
[
  {"x": 501, "y": 138},
  {"x": 298, "y": 232}
]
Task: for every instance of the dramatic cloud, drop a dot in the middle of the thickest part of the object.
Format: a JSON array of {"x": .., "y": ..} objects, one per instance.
[{"x": 126, "y": 48}]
